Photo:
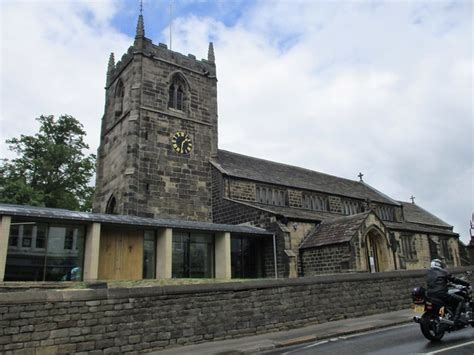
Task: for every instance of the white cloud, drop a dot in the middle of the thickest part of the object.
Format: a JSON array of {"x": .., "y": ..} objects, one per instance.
[
  {"x": 350, "y": 87},
  {"x": 54, "y": 56},
  {"x": 338, "y": 87}
]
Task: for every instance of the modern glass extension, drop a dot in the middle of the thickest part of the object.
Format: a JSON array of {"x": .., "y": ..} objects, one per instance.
[{"x": 44, "y": 244}]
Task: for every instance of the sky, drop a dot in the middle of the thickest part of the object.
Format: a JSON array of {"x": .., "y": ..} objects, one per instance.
[{"x": 379, "y": 87}]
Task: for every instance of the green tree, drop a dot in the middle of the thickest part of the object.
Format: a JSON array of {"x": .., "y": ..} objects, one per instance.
[{"x": 52, "y": 169}]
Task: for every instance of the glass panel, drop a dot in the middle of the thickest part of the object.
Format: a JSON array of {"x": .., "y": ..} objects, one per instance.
[
  {"x": 149, "y": 253},
  {"x": 24, "y": 263},
  {"x": 27, "y": 236},
  {"x": 201, "y": 256},
  {"x": 14, "y": 233},
  {"x": 180, "y": 246},
  {"x": 41, "y": 231},
  {"x": 179, "y": 99},
  {"x": 245, "y": 261},
  {"x": 236, "y": 257},
  {"x": 65, "y": 253},
  {"x": 193, "y": 255}
]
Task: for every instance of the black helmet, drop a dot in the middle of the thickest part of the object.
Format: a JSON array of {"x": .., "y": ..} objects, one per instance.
[{"x": 418, "y": 293}]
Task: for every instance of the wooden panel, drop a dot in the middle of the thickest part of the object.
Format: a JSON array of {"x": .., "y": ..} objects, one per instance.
[
  {"x": 108, "y": 254},
  {"x": 132, "y": 255},
  {"x": 121, "y": 255}
]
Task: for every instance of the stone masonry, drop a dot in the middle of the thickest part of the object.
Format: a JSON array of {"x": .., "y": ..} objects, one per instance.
[
  {"x": 137, "y": 164},
  {"x": 122, "y": 320}
]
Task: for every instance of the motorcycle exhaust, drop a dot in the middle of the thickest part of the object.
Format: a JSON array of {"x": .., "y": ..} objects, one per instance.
[{"x": 446, "y": 321}]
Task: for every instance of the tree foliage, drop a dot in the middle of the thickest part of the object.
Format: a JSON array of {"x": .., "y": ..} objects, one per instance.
[{"x": 51, "y": 169}]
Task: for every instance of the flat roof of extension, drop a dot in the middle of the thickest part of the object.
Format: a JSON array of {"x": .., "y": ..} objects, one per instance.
[{"x": 66, "y": 215}]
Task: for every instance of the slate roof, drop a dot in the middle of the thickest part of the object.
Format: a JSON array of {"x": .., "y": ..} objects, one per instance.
[
  {"x": 62, "y": 214},
  {"x": 266, "y": 171},
  {"x": 334, "y": 231},
  {"x": 418, "y": 228},
  {"x": 415, "y": 214},
  {"x": 289, "y": 212}
]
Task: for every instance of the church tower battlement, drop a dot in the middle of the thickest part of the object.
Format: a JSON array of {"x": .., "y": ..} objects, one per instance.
[{"x": 158, "y": 132}]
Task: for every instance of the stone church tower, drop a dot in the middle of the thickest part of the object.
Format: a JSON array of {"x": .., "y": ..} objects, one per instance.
[{"x": 159, "y": 131}]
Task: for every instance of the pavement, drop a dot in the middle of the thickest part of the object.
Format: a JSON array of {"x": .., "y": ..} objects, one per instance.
[{"x": 269, "y": 341}]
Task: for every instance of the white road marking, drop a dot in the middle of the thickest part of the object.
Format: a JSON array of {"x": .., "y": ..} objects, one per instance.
[
  {"x": 450, "y": 348},
  {"x": 316, "y": 344},
  {"x": 347, "y": 337},
  {"x": 373, "y": 331},
  {"x": 307, "y": 347}
]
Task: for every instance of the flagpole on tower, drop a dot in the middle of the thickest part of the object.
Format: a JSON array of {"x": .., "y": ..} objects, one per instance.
[{"x": 171, "y": 24}]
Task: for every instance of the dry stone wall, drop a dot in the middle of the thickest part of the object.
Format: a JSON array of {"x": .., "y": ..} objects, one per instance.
[{"x": 144, "y": 319}]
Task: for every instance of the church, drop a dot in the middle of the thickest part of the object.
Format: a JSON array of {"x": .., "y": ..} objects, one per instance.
[
  {"x": 159, "y": 157},
  {"x": 170, "y": 204}
]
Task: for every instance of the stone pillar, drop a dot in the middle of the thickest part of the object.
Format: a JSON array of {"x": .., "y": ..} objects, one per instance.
[
  {"x": 4, "y": 235},
  {"x": 222, "y": 256},
  {"x": 92, "y": 249},
  {"x": 164, "y": 252}
]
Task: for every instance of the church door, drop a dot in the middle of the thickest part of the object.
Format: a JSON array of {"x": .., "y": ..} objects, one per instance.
[{"x": 378, "y": 254}]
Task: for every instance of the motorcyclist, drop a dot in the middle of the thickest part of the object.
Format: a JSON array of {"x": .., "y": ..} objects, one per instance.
[{"x": 437, "y": 281}]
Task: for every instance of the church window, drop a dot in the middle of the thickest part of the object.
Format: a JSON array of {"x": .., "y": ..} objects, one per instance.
[
  {"x": 350, "y": 207},
  {"x": 111, "y": 206},
  {"x": 446, "y": 250},
  {"x": 385, "y": 213},
  {"x": 119, "y": 95},
  {"x": 314, "y": 202},
  {"x": 270, "y": 196},
  {"x": 408, "y": 246},
  {"x": 176, "y": 93}
]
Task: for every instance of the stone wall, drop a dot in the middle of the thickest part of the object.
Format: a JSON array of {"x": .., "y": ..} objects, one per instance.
[
  {"x": 242, "y": 190},
  {"x": 325, "y": 260},
  {"x": 121, "y": 320}
]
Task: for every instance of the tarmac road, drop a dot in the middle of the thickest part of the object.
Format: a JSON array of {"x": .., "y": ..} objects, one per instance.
[{"x": 401, "y": 339}]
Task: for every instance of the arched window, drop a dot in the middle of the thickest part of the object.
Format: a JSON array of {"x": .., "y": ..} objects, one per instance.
[
  {"x": 111, "y": 206},
  {"x": 119, "y": 94},
  {"x": 177, "y": 93}
]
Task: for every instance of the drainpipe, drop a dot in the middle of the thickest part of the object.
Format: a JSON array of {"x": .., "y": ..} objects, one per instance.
[{"x": 275, "y": 256}]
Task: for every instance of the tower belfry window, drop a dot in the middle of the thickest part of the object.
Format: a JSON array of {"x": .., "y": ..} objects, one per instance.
[
  {"x": 177, "y": 93},
  {"x": 119, "y": 95}
]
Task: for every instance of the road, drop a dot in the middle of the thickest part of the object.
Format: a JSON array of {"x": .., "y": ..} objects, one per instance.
[{"x": 404, "y": 339}]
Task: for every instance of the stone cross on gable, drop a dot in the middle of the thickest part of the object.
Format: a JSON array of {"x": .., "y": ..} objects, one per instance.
[
  {"x": 360, "y": 176},
  {"x": 412, "y": 198}
]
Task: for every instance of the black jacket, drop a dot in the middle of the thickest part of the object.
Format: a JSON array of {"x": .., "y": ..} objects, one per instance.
[{"x": 437, "y": 280}]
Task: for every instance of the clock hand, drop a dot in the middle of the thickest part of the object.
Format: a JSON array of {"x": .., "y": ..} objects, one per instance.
[{"x": 182, "y": 143}]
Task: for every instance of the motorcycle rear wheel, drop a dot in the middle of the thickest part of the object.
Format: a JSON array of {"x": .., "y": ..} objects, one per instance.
[{"x": 431, "y": 327}]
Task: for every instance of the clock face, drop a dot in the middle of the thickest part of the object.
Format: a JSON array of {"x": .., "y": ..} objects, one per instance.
[{"x": 182, "y": 143}]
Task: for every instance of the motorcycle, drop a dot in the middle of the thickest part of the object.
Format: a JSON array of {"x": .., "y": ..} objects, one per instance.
[{"x": 436, "y": 318}]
